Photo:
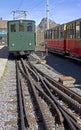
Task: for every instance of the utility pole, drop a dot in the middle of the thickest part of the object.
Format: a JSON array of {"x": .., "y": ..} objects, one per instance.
[
  {"x": 47, "y": 13},
  {"x": 19, "y": 14}
]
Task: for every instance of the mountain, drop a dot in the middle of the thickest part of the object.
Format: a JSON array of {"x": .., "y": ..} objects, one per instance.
[
  {"x": 43, "y": 24},
  {"x": 42, "y": 27}
]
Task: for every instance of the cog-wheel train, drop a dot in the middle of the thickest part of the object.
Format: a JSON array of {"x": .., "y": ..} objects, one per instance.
[
  {"x": 64, "y": 39},
  {"x": 21, "y": 36}
]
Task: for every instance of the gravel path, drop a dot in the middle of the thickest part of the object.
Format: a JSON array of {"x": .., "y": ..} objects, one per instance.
[{"x": 8, "y": 107}]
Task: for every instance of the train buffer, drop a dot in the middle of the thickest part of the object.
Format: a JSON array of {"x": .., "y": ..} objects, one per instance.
[
  {"x": 67, "y": 80},
  {"x": 41, "y": 61}
]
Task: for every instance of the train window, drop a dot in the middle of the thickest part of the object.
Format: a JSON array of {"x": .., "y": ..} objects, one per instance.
[
  {"x": 45, "y": 35},
  {"x": 0, "y": 37},
  {"x": 13, "y": 27},
  {"x": 74, "y": 30},
  {"x": 50, "y": 34},
  {"x": 57, "y": 33},
  {"x": 29, "y": 27},
  {"x": 70, "y": 31},
  {"x": 67, "y": 31},
  {"x": 21, "y": 27},
  {"x": 61, "y": 32},
  {"x": 53, "y": 34},
  {"x": 80, "y": 29},
  {"x": 77, "y": 30}
]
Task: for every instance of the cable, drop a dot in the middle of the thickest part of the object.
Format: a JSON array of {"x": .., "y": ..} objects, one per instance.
[{"x": 20, "y": 4}]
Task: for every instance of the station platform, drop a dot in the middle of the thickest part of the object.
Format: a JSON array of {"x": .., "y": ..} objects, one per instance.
[{"x": 3, "y": 58}]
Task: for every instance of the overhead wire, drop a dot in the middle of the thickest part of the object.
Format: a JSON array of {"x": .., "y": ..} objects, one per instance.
[
  {"x": 36, "y": 8},
  {"x": 37, "y": 4},
  {"x": 20, "y": 4}
]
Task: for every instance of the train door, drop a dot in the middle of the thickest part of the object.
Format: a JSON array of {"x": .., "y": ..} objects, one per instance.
[
  {"x": 62, "y": 38},
  {"x": 30, "y": 31},
  {"x": 70, "y": 41},
  {"x": 26, "y": 37},
  {"x": 21, "y": 35},
  {"x": 12, "y": 35},
  {"x": 78, "y": 38}
]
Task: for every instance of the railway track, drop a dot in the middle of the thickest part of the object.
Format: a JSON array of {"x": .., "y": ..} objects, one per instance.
[
  {"x": 44, "y": 118},
  {"x": 44, "y": 102},
  {"x": 40, "y": 102}
]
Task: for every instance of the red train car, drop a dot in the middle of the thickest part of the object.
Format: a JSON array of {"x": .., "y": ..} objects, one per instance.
[{"x": 65, "y": 38}]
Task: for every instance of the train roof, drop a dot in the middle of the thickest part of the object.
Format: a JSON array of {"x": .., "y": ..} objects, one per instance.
[
  {"x": 53, "y": 27},
  {"x": 64, "y": 24},
  {"x": 21, "y": 20},
  {"x": 73, "y": 21}
]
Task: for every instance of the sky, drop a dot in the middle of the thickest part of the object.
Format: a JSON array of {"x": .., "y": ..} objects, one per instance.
[{"x": 60, "y": 11}]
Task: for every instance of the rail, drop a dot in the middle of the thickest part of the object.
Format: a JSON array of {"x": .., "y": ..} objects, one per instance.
[{"x": 58, "y": 99}]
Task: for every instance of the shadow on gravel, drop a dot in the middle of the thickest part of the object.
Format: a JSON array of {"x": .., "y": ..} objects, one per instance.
[
  {"x": 4, "y": 52},
  {"x": 65, "y": 66}
]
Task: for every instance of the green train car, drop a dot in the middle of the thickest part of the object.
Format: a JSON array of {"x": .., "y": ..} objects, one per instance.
[{"x": 21, "y": 36}]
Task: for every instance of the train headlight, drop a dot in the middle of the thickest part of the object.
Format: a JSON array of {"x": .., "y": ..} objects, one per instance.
[
  {"x": 21, "y": 21},
  {"x": 13, "y": 44},
  {"x": 30, "y": 44}
]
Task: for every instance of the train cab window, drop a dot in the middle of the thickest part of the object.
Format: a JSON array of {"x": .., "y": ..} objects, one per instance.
[
  {"x": 77, "y": 30},
  {"x": 21, "y": 27},
  {"x": 29, "y": 27},
  {"x": 0, "y": 38},
  {"x": 13, "y": 27}
]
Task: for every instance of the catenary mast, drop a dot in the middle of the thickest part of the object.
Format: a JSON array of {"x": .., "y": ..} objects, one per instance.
[{"x": 47, "y": 13}]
